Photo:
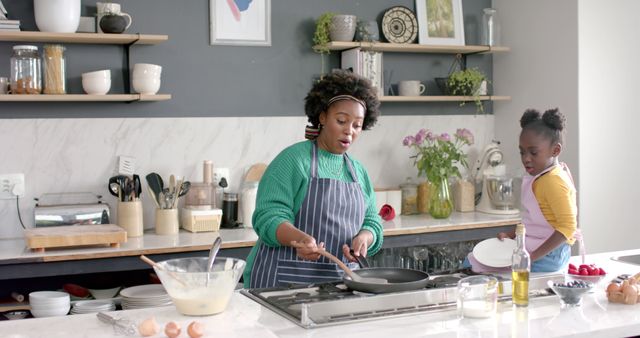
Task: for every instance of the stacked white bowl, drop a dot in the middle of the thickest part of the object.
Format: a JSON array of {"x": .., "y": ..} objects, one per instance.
[
  {"x": 97, "y": 83},
  {"x": 91, "y": 306},
  {"x": 146, "y": 78},
  {"x": 49, "y": 303}
]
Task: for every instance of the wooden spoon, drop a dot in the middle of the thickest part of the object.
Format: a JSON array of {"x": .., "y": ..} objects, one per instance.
[
  {"x": 354, "y": 276},
  {"x": 159, "y": 267}
]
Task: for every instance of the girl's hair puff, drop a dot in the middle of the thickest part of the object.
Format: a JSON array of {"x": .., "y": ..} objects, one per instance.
[{"x": 550, "y": 124}]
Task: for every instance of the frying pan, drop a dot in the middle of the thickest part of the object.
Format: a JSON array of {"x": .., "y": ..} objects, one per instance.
[{"x": 399, "y": 279}]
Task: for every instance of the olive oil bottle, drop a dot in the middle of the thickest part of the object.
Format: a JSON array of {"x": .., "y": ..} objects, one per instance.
[{"x": 520, "y": 267}]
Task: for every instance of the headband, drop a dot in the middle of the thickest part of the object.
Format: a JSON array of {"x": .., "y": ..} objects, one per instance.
[{"x": 347, "y": 97}]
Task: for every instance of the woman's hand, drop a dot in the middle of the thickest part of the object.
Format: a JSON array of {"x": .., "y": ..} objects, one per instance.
[
  {"x": 359, "y": 244},
  {"x": 502, "y": 235},
  {"x": 306, "y": 248}
]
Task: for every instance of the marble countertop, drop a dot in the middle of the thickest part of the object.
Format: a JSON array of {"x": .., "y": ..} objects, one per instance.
[
  {"x": 245, "y": 318},
  {"x": 13, "y": 251}
]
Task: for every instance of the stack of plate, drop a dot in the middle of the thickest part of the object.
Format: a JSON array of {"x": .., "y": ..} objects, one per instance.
[
  {"x": 91, "y": 306},
  {"x": 143, "y": 296}
]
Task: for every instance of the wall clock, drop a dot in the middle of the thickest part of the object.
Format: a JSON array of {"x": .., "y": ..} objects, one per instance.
[{"x": 399, "y": 25}]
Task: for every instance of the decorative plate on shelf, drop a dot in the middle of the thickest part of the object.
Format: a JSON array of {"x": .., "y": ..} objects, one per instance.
[{"x": 399, "y": 25}]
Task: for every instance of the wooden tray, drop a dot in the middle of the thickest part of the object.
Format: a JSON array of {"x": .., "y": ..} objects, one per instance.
[{"x": 74, "y": 235}]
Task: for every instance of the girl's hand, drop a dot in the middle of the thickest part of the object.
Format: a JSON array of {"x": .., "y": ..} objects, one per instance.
[
  {"x": 503, "y": 235},
  {"x": 306, "y": 248},
  {"x": 359, "y": 244}
]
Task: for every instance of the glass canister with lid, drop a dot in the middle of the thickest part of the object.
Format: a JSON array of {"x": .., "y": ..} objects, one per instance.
[
  {"x": 26, "y": 75},
  {"x": 54, "y": 68},
  {"x": 409, "y": 197}
]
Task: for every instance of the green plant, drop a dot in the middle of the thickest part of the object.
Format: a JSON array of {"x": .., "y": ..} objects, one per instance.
[
  {"x": 467, "y": 83},
  {"x": 437, "y": 155},
  {"x": 321, "y": 37}
]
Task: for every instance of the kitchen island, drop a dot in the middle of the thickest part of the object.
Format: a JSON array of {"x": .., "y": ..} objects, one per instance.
[
  {"x": 16, "y": 261},
  {"x": 246, "y": 318}
]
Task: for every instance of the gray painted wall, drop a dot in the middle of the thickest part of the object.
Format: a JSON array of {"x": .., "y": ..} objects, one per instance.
[{"x": 223, "y": 81}]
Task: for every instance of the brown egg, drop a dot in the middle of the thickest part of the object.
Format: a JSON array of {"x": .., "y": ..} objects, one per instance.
[
  {"x": 195, "y": 330},
  {"x": 172, "y": 329},
  {"x": 148, "y": 327},
  {"x": 613, "y": 287},
  {"x": 630, "y": 294}
]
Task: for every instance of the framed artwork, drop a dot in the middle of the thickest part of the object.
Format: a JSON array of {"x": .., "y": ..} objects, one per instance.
[
  {"x": 440, "y": 22},
  {"x": 240, "y": 22}
]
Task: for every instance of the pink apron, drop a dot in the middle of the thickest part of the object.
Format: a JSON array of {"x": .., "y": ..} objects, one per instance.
[{"x": 537, "y": 227}]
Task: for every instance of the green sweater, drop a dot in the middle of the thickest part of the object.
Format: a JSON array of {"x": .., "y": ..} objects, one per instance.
[{"x": 284, "y": 186}]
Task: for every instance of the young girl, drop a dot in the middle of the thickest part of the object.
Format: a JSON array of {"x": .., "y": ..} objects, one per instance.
[{"x": 548, "y": 196}]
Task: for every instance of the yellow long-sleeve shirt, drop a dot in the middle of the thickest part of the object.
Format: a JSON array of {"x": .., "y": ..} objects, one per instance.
[{"x": 556, "y": 197}]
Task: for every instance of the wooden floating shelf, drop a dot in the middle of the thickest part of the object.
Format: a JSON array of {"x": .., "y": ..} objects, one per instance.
[
  {"x": 415, "y": 48},
  {"x": 441, "y": 98},
  {"x": 84, "y": 98},
  {"x": 91, "y": 38}
]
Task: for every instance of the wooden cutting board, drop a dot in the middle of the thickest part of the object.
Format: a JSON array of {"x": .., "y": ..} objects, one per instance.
[
  {"x": 254, "y": 174},
  {"x": 74, "y": 235}
]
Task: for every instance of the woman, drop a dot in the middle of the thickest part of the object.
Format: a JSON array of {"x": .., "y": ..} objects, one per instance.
[{"x": 313, "y": 196}]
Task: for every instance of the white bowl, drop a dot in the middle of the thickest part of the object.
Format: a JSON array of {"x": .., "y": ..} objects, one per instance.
[
  {"x": 48, "y": 296},
  {"x": 147, "y": 68},
  {"x": 105, "y": 73},
  {"x": 50, "y": 312},
  {"x": 96, "y": 85},
  {"x": 104, "y": 293},
  {"x": 146, "y": 85}
]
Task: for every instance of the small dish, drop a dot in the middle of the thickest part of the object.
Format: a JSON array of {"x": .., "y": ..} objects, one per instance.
[
  {"x": 17, "y": 314},
  {"x": 570, "y": 293},
  {"x": 104, "y": 293}
]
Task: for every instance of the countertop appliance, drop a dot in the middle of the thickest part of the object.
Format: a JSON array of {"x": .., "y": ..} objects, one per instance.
[
  {"x": 56, "y": 209},
  {"x": 332, "y": 303},
  {"x": 496, "y": 189}
]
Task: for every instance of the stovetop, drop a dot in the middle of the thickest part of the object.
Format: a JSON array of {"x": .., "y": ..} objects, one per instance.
[{"x": 333, "y": 303}]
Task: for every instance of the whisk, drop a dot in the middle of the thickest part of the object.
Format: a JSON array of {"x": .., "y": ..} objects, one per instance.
[{"x": 121, "y": 326}]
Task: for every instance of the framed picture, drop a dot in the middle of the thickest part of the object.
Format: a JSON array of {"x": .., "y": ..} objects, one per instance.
[
  {"x": 440, "y": 22},
  {"x": 240, "y": 22}
]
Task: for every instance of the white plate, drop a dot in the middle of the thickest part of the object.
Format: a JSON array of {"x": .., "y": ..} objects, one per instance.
[
  {"x": 148, "y": 291},
  {"x": 494, "y": 252}
]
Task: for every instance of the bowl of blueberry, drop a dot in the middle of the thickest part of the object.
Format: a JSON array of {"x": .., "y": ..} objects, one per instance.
[{"x": 571, "y": 292}]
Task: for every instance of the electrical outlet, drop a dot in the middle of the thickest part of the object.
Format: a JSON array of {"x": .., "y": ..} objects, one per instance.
[
  {"x": 11, "y": 185},
  {"x": 219, "y": 173}
]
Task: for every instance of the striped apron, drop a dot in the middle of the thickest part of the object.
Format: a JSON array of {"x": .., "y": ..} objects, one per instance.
[{"x": 332, "y": 212}]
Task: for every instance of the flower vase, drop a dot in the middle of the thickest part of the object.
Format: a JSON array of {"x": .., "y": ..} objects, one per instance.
[{"x": 440, "y": 203}]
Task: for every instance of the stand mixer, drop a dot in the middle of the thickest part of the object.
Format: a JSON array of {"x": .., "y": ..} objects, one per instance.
[{"x": 496, "y": 189}]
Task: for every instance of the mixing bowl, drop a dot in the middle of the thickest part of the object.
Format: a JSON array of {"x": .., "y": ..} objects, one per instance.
[
  {"x": 185, "y": 280},
  {"x": 501, "y": 192}
]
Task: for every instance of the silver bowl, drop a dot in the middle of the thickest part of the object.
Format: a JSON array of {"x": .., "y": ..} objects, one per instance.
[{"x": 501, "y": 192}]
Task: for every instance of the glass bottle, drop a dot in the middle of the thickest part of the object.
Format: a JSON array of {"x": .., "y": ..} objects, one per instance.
[
  {"x": 520, "y": 267},
  {"x": 490, "y": 28},
  {"x": 54, "y": 67},
  {"x": 409, "y": 197},
  {"x": 25, "y": 70}
]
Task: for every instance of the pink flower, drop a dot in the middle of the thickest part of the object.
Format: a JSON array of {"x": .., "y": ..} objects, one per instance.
[
  {"x": 409, "y": 141},
  {"x": 444, "y": 137},
  {"x": 465, "y": 135},
  {"x": 430, "y": 136},
  {"x": 420, "y": 136}
]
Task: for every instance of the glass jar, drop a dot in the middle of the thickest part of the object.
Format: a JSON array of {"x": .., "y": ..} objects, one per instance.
[
  {"x": 248, "y": 202},
  {"x": 229, "y": 210},
  {"x": 423, "y": 197},
  {"x": 490, "y": 28},
  {"x": 54, "y": 67},
  {"x": 26, "y": 75},
  {"x": 409, "y": 197}
]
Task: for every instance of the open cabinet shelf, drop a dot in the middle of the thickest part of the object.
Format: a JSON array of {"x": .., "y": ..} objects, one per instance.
[
  {"x": 84, "y": 98},
  {"x": 441, "y": 98},
  {"x": 86, "y": 38},
  {"x": 414, "y": 48}
]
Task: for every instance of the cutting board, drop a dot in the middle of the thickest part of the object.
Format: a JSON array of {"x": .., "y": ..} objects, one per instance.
[
  {"x": 39, "y": 239},
  {"x": 254, "y": 174}
]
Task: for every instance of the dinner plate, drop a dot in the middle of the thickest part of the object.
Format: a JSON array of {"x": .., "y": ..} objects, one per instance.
[
  {"x": 149, "y": 291},
  {"x": 494, "y": 252}
]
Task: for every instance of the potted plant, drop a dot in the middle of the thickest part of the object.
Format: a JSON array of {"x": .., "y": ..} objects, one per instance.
[
  {"x": 467, "y": 82},
  {"x": 321, "y": 37}
]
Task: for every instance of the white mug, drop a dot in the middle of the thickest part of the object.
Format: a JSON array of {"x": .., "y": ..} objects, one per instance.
[
  {"x": 410, "y": 88},
  {"x": 104, "y": 8}
]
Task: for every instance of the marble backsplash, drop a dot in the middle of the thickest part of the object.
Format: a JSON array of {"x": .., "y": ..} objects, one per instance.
[{"x": 79, "y": 155}]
